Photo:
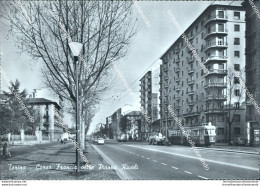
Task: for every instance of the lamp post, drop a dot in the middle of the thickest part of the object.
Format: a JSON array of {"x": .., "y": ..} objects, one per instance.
[{"x": 76, "y": 48}]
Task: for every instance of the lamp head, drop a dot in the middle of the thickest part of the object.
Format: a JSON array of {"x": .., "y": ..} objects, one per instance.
[{"x": 75, "y": 48}]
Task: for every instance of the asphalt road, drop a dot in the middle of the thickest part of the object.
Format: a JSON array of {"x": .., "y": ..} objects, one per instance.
[{"x": 147, "y": 162}]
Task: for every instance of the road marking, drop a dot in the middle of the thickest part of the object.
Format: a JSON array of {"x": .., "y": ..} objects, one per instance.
[
  {"x": 148, "y": 158},
  {"x": 137, "y": 155},
  {"x": 163, "y": 163},
  {"x": 174, "y": 167},
  {"x": 142, "y": 156},
  {"x": 188, "y": 172},
  {"x": 194, "y": 157},
  {"x": 155, "y": 161},
  {"x": 203, "y": 177}
]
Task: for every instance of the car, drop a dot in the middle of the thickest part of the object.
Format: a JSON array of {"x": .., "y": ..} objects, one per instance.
[
  {"x": 122, "y": 137},
  {"x": 100, "y": 141},
  {"x": 156, "y": 138}
]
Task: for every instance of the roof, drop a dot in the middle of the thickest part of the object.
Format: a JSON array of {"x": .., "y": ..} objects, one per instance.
[
  {"x": 134, "y": 113},
  {"x": 41, "y": 101}
]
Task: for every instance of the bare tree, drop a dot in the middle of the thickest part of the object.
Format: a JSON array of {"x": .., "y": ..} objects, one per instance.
[{"x": 43, "y": 29}]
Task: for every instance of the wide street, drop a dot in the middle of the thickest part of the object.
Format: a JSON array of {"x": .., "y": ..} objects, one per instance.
[{"x": 133, "y": 160}]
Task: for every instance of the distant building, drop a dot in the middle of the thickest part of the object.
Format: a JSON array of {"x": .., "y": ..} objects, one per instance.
[
  {"x": 133, "y": 124},
  {"x": 45, "y": 119},
  {"x": 253, "y": 69},
  {"x": 196, "y": 98},
  {"x": 115, "y": 119},
  {"x": 149, "y": 100}
]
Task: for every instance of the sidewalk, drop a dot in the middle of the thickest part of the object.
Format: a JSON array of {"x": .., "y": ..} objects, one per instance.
[{"x": 56, "y": 162}]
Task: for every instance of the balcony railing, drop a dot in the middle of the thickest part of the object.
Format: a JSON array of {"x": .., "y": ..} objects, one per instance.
[
  {"x": 191, "y": 71},
  {"x": 191, "y": 103},
  {"x": 178, "y": 89},
  {"x": 191, "y": 92},
  {"x": 216, "y": 18},
  {"x": 216, "y": 97},
  {"x": 191, "y": 59},
  {"x": 177, "y": 97},
  {"x": 178, "y": 69},
  {"x": 216, "y": 71},
  {"x": 190, "y": 82},
  {"x": 222, "y": 85},
  {"x": 216, "y": 58},
  {"x": 177, "y": 79},
  {"x": 216, "y": 45},
  {"x": 215, "y": 31},
  {"x": 177, "y": 60}
]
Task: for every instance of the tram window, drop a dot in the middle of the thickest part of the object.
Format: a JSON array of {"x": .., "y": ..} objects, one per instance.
[{"x": 196, "y": 132}]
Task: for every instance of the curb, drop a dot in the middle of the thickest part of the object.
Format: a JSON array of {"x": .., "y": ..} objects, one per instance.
[{"x": 226, "y": 150}]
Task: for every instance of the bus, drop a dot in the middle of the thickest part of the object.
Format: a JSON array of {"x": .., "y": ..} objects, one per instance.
[{"x": 204, "y": 135}]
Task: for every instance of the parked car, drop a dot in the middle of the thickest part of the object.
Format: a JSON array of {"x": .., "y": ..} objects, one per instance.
[
  {"x": 157, "y": 139},
  {"x": 100, "y": 141},
  {"x": 122, "y": 137}
]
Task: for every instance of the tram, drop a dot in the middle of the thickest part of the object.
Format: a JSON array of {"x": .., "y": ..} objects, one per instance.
[{"x": 204, "y": 135}]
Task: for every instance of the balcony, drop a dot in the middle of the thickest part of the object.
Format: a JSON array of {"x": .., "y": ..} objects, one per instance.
[
  {"x": 177, "y": 107},
  {"x": 191, "y": 59},
  {"x": 216, "y": 18},
  {"x": 216, "y": 45},
  {"x": 178, "y": 69},
  {"x": 191, "y": 103},
  {"x": 177, "y": 98},
  {"x": 216, "y": 97},
  {"x": 191, "y": 38},
  {"x": 177, "y": 79},
  {"x": 215, "y": 111},
  {"x": 190, "y": 82},
  {"x": 166, "y": 86},
  {"x": 177, "y": 50},
  {"x": 220, "y": 32},
  {"x": 191, "y": 92},
  {"x": 166, "y": 77},
  {"x": 221, "y": 72},
  {"x": 178, "y": 89},
  {"x": 177, "y": 60},
  {"x": 216, "y": 59},
  {"x": 165, "y": 68},
  {"x": 190, "y": 114},
  {"x": 190, "y": 71},
  {"x": 217, "y": 85}
]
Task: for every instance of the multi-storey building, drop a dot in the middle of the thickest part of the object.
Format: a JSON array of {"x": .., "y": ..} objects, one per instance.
[
  {"x": 196, "y": 98},
  {"x": 253, "y": 68},
  {"x": 149, "y": 102}
]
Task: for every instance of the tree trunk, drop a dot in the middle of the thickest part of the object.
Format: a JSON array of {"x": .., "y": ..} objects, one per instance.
[{"x": 229, "y": 134}]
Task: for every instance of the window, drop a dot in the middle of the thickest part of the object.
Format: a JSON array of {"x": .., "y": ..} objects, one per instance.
[
  {"x": 236, "y": 118},
  {"x": 202, "y": 35},
  {"x": 237, "y": 92},
  {"x": 221, "y": 14},
  {"x": 202, "y": 48},
  {"x": 220, "y": 131},
  {"x": 236, "y": 41},
  {"x": 197, "y": 27},
  {"x": 237, "y": 67},
  {"x": 236, "y": 54},
  {"x": 237, "y": 105},
  {"x": 237, "y": 131},
  {"x": 236, "y": 80},
  {"x": 197, "y": 40},
  {"x": 221, "y": 118},
  {"x": 236, "y": 28},
  {"x": 236, "y": 15}
]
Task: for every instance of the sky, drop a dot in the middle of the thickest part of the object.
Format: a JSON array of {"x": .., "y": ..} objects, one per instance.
[{"x": 144, "y": 51}]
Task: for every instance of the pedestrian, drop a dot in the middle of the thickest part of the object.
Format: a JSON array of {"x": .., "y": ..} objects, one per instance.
[{"x": 6, "y": 150}]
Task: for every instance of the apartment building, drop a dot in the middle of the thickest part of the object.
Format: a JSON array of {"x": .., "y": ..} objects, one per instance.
[
  {"x": 196, "y": 98},
  {"x": 149, "y": 102},
  {"x": 252, "y": 69}
]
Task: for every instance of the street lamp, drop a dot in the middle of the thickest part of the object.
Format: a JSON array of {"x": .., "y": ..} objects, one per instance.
[{"x": 76, "y": 48}]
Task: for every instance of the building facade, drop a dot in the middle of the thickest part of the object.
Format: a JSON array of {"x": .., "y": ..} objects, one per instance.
[
  {"x": 149, "y": 102},
  {"x": 45, "y": 118},
  {"x": 217, "y": 35},
  {"x": 252, "y": 69}
]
